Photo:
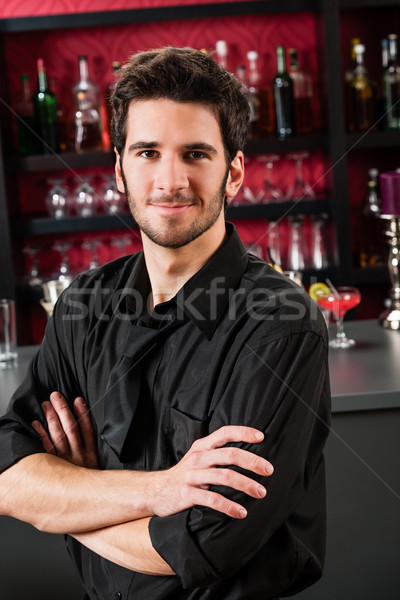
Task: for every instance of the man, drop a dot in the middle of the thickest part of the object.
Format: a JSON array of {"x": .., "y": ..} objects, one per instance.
[{"x": 198, "y": 366}]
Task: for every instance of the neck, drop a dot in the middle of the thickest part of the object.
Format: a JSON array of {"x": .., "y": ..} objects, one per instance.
[{"x": 170, "y": 268}]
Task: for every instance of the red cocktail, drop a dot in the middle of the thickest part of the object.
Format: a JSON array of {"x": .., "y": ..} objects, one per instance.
[{"x": 339, "y": 302}]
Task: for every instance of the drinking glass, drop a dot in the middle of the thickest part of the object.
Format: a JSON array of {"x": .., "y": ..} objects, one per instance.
[
  {"x": 33, "y": 277},
  {"x": 92, "y": 246},
  {"x": 339, "y": 301},
  {"x": 270, "y": 192},
  {"x": 57, "y": 203},
  {"x": 111, "y": 198},
  {"x": 300, "y": 189},
  {"x": 319, "y": 258},
  {"x": 296, "y": 259},
  {"x": 64, "y": 271},
  {"x": 274, "y": 243},
  {"x": 85, "y": 199}
]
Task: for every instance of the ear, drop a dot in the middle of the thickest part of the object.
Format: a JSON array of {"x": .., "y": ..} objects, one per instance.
[
  {"x": 118, "y": 172},
  {"x": 235, "y": 176}
]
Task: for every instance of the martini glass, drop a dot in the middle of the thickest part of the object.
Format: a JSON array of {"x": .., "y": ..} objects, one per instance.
[
  {"x": 300, "y": 189},
  {"x": 339, "y": 301},
  {"x": 270, "y": 192}
]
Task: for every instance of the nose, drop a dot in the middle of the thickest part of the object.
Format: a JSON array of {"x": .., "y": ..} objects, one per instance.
[{"x": 171, "y": 175}]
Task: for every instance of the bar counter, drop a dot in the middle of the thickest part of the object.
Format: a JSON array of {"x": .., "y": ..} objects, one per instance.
[
  {"x": 364, "y": 377},
  {"x": 363, "y": 484}
]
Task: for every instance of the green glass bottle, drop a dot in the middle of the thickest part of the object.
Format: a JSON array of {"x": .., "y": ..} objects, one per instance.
[
  {"x": 391, "y": 86},
  {"x": 26, "y": 139},
  {"x": 45, "y": 110},
  {"x": 283, "y": 98}
]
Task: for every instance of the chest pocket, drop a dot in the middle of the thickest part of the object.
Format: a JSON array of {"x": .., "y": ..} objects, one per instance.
[{"x": 181, "y": 431}]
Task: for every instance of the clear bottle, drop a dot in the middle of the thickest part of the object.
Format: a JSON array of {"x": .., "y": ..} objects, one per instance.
[
  {"x": 348, "y": 79},
  {"x": 372, "y": 245},
  {"x": 87, "y": 121},
  {"x": 116, "y": 66},
  {"x": 391, "y": 86},
  {"x": 361, "y": 115},
  {"x": 221, "y": 53},
  {"x": 303, "y": 94},
  {"x": 26, "y": 139},
  {"x": 253, "y": 90},
  {"x": 283, "y": 98},
  {"x": 45, "y": 111}
]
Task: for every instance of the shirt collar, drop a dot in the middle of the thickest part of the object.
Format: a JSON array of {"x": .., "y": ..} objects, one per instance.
[{"x": 205, "y": 295}]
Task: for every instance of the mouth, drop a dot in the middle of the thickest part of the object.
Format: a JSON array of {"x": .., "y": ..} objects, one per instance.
[{"x": 171, "y": 209}]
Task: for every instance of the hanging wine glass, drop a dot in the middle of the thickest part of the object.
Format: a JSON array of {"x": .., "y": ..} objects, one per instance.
[
  {"x": 85, "y": 198},
  {"x": 120, "y": 243},
  {"x": 300, "y": 189},
  {"x": 254, "y": 249},
  {"x": 64, "y": 271},
  {"x": 319, "y": 258},
  {"x": 92, "y": 246},
  {"x": 270, "y": 192},
  {"x": 274, "y": 242},
  {"x": 57, "y": 202},
  {"x": 33, "y": 276},
  {"x": 111, "y": 198},
  {"x": 296, "y": 260}
]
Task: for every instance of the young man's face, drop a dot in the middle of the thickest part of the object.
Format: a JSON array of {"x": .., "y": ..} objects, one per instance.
[{"x": 174, "y": 171}]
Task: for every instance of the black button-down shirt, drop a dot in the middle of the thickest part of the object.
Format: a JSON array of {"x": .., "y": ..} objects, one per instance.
[{"x": 244, "y": 346}]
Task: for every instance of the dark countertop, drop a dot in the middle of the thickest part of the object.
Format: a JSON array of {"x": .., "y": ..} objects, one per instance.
[{"x": 364, "y": 377}]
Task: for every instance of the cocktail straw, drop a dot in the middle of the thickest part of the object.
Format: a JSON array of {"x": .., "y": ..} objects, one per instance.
[{"x": 333, "y": 289}]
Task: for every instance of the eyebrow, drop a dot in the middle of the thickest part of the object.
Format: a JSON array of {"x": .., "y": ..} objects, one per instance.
[{"x": 143, "y": 145}]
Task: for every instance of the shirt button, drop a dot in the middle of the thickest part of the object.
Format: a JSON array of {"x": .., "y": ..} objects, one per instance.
[{"x": 118, "y": 596}]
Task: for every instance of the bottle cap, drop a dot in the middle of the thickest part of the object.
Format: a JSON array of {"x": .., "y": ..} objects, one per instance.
[
  {"x": 221, "y": 47},
  {"x": 252, "y": 55}
]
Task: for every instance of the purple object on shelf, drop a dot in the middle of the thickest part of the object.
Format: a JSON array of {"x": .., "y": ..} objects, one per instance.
[{"x": 390, "y": 193}]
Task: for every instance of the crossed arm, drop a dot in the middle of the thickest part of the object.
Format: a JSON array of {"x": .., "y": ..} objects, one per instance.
[{"x": 63, "y": 491}]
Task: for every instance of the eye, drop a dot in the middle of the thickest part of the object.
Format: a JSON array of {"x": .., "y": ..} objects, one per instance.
[
  {"x": 196, "y": 155},
  {"x": 148, "y": 153}
]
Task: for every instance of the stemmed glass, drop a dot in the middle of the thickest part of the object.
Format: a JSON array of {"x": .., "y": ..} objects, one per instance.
[
  {"x": 92, "y": 246},
  {"x": 296, "y": 259},
  {"x": 111, "y": 198},
  {"x": 300, "y": 189},
  {"x": 121, "y": 243},
  {"x": 33, "y": 278},
  {"x": 85, "y": 200},
  {"x": 57, "y": 202},
  {"x": 339, "y": 301},
  {"x": 64, "y": 271},
  {"x": 270, "y": 191}
]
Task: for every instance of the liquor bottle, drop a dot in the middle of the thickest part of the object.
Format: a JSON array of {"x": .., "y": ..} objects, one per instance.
[
  {"x": 381, "y": 104},
  {"x": 62, "y": 118},
  {"x": 45, "y": 111},
  {"x": 303, "y": 94},
  {"x": 348, "y": 79},
  {"x": 391, "y": 86},
  {"x": 221, "y": 51},
  {"x": 283, "y": 98},
  {"x": 372, "y": 240},
  {"x": 253, "y": 83},
  {"x": 362, "y": 106},
  {"x": 26, "y": 139},
  {"x": 87, "y": 121},
  {"x": 116, "y": 66}
]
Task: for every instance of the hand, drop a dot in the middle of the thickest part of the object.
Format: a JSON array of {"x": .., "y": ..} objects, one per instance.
[
  {"x": 187, "y": 484},
  {"x": 69, "y": 438}
]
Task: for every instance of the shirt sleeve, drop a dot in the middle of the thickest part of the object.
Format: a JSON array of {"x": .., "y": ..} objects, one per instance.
[
  {"x": 51, "y": 369},
  {"x": 282, "y": 388}
]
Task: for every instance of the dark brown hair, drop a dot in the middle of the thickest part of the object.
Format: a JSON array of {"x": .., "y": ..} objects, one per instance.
[{"x": 182, "y": 75}]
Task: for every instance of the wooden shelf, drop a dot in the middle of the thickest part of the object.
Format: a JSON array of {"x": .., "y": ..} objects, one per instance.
[
  {"x": 373, "y": 139},
  {"x": 368, "y": 3}
]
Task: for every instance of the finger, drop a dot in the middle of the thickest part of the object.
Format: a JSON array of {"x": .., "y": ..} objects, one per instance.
[
  {"x": 229, "y": 433},
  {"x": 47, "y": 443},
  {"x": 68, "y": 424},
  {"x": 232, "y": 456},
  {"x": 56, "y": 432},
  {"x": 229, "y": 478},
  {"x": 218, "y": 502},
  {"x": 88, "y": 437}
]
